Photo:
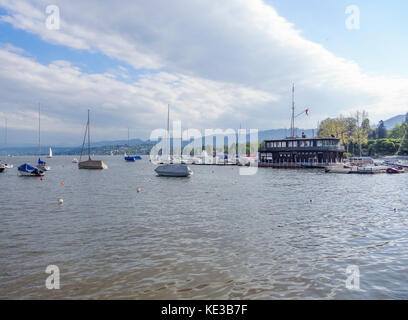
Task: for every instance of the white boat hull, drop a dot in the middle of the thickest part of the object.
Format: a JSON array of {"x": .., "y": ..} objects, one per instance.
[
  {"x": 28, "y": 174},
  {"x": 173, "y": 170}
]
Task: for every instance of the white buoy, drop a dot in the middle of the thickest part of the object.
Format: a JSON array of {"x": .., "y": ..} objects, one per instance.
[{"x": 60, "y": 202}]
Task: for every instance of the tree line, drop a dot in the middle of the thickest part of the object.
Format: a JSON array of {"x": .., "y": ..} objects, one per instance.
[{"x": 359, "y": 138}]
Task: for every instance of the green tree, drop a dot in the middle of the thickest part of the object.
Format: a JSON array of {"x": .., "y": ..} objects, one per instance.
[
  {"x": 381, "y": 131},
  {"x": 362, "y": 130},
  {"x": 403, "y": 150},
  {"x": 398, "y": 131}
]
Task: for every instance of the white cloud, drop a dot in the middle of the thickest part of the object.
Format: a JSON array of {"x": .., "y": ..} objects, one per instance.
[
  {"x": 226, "y": 62},
  {"x": 66, "y": 93}
]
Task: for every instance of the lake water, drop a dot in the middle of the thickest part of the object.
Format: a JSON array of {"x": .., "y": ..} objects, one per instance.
[{"x": 216, "y": 235}]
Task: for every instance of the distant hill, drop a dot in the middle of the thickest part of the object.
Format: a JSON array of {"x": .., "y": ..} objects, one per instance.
[
  {"x": 132, "y": 142},
  {"x": 392, "y": 122}
]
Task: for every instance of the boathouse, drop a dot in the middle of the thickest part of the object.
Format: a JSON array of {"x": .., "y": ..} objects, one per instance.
[{"x": 300, "y": 152}]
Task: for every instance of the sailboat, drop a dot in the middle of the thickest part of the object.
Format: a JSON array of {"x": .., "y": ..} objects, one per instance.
[
  {"x": 90, "y": 164},
  {"x": 27, "y": 170},
  {"x": 171, "y": 169},
  {"x": 129, "y": 158},
  {"x": 50, "y": 154},
  {"x": 41, "y": 164}
]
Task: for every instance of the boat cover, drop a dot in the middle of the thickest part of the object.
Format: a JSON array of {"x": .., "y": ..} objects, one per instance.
[{"x": 28, "y": 168}]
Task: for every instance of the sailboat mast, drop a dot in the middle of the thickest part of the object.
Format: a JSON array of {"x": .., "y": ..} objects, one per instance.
[
  {"x": 292, "y": 122},
  {"x": 5, "y": 142},
  {"x": 39, "y": 130},
  {"x": 168, "y": 131},
  {"x": 89, "y": 137}
]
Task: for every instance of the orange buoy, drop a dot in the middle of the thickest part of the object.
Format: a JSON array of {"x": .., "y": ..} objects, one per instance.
[
  {"x": 62, "y": 183},
  {"x": 138, "y": 190}
]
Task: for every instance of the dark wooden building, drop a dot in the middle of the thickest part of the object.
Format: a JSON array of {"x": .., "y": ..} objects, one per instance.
[{"x": 300, "y": 152}]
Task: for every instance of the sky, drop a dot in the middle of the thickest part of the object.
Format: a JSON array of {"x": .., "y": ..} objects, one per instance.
[{"x": 219, "y": 64}]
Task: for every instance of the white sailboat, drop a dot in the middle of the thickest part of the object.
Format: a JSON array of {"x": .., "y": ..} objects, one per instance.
[
  {"x": 50, "y": 154},
  {"x": 171, "y": 169},
  {"x": 90, "y": 164}
]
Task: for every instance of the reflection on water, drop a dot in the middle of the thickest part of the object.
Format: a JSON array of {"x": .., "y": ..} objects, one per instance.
[{"x": 202, "y": 237}]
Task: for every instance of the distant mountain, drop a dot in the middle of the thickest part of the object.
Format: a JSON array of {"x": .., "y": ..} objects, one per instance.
[{"x": 392, "y": 122}]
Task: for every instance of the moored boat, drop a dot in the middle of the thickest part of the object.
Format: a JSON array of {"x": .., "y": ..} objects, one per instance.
[
  {"x": 2, "y": 167},
  {"x": 90, "y": 164},
  {"x": 27, "y": 170},
  {"x": 395, "y": 170},
  {"x": 43, "y": 165},
  {"x": 174, "y": 170}
]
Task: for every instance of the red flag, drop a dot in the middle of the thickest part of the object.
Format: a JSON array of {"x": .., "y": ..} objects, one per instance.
[{"x": 307, "y": 112}]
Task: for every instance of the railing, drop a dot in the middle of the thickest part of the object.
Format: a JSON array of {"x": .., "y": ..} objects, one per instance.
[{"x": 323, "y": 148}]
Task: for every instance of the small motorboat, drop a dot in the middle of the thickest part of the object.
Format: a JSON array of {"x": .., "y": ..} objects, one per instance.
[
  {"x": 129, "y": 158},
  {"x": 8, "y": 166},
  {"x": 132, "y": 158},
  {"x": 395, "y": 170},
  {"x": 2, "y": 167},
  {"x": 75, "y": 160},
  {"x": 173, "y": 170},
  {"x": 28, "y": 170},
  {"x": 43, "y": 165}
]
